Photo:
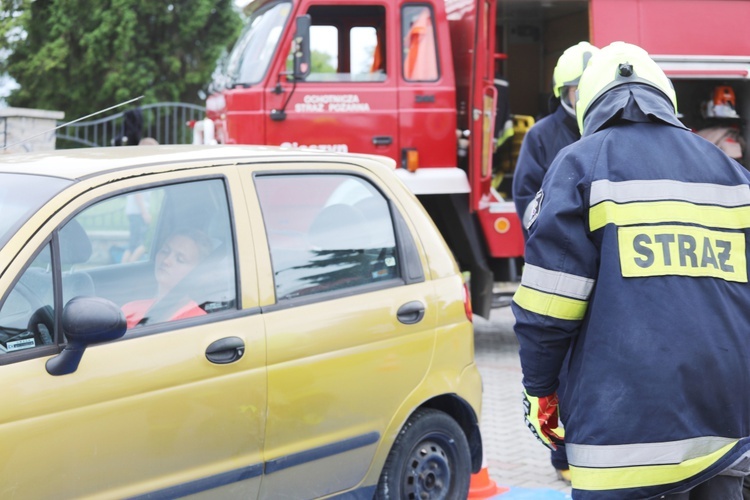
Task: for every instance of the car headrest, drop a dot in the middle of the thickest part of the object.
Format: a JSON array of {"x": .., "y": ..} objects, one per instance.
[
  {"x": 339, "y": 227},
  {"x": 75, "y": 245},
  {"x": 379, "y": 223}
]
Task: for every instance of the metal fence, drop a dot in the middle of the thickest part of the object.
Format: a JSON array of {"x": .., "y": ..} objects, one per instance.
[{"x": 164, "y": 121}]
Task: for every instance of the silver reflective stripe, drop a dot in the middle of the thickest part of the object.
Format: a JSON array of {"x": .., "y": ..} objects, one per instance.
[
  {"x": 568, "y": 285},
  {"x": 741, "y": 466},
  {"x": 630, "y": 455},
  {"x": 693, "y": 192}
]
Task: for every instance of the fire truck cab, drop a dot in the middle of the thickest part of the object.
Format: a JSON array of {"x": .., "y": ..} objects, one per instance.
[{"x": 412, "y": 80}]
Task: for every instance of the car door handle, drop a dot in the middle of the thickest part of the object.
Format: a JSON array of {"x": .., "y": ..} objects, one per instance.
[
  {"x": 226, "y": 350},
  {"x": 382, "y": 140},
  {"x": 411, "y": 312}
]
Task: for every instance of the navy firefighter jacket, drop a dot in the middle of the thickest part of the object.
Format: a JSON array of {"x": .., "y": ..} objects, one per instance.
[
  {"x": 539, "y": 147},
  {"x": 637, "y": 260}
]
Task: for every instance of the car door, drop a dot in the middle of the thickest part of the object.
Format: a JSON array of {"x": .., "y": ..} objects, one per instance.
[
  {"x": 426, "y": 93},
  {"x": 350, "y": 322},
  {"x": 177, "y": 405}
]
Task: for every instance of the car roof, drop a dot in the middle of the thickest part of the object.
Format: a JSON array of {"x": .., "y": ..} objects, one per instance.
[{"x": 76, "y": 164}]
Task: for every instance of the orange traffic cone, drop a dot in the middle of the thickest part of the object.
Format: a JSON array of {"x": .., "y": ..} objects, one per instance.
[{"x": 482, "y": 485}]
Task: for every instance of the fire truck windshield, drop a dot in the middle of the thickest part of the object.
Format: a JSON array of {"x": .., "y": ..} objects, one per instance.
[{"x": 255, "y": 47}]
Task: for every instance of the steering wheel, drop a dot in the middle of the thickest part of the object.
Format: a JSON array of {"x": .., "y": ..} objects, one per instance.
[
  {"x": 42, "y": 325},
  {"x": 42, "y": 320}
]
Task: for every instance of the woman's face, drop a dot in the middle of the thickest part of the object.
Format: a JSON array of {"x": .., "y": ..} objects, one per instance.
[{"x": 176, "y": 258}]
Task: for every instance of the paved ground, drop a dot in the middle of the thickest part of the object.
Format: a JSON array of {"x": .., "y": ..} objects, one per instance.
[{"x": 513, "y": 456}]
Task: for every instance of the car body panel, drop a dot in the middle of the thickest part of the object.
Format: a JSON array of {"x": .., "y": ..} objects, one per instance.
[
  {"x": 172, "y": 413},
  {"x": 312, "y": 406}
]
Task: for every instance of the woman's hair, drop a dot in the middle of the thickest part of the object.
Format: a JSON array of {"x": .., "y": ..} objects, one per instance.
[{"x": 202, "y": 240}]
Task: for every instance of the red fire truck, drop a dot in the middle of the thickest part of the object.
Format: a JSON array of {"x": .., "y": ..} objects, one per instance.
[{"x": 430, "y": 83}]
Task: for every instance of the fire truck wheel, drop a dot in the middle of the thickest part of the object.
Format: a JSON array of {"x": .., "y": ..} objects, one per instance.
[{"x": 430, "y": 459}]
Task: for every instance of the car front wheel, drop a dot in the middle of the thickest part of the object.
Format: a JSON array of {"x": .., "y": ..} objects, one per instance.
[{"x": 430, "y": 459}]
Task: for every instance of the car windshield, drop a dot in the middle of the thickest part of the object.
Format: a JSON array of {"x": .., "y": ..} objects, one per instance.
[
  {"x": 20, "y": 196},
  {"x": 252, "y": 53}
]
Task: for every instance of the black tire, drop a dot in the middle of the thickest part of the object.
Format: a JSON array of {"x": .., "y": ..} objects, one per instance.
[{"x": 430, "y": 459}]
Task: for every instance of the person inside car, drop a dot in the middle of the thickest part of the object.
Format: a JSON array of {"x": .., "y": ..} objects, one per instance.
[{"x": 180, "y": 253}]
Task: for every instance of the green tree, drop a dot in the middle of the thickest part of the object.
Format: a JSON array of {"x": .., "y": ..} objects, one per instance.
[
  {"x": 321, "y": 62},
  {"x": 80, "y": 56}
]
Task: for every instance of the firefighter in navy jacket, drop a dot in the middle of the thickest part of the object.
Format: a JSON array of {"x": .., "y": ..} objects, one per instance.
[
  {"x": 553, "y": 132},
  {"x": 637, "y": 261},
  {"x": 540, "y": 146}
]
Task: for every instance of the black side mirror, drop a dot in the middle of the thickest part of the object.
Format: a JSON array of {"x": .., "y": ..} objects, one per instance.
[
  {"x": 85, "y": 321},
  {"x": 301, "y": 48}
]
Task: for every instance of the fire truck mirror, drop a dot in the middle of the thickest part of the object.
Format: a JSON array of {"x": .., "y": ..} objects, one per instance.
[{"x": 302, "y": 48}]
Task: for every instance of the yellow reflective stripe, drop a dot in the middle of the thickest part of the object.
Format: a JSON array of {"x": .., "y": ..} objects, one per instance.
[
  {"x": 548, "y": 304},
  {"x": 668, "y": 211},
  {"x": 594, "y": 479},
  {"x": 670, "y": 250}
]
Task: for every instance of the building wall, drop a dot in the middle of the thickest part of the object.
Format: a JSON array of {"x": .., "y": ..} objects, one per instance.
[{"x": 24, "y": 130}]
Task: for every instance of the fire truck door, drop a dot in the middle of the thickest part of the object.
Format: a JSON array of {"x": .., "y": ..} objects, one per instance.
[
  {"x": 427, "y": 121},
  {"x": 348, "y": 101}
]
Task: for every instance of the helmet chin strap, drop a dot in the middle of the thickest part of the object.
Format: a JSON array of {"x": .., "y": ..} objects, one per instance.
[{"x": 567, "y": 107}]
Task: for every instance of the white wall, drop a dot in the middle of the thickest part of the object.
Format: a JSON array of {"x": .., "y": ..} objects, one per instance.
[{"x": 23, "y": 130}]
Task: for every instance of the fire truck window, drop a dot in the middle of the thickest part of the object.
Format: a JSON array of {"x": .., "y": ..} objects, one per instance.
[
  {"x": 366, "y": 54},
  {"x": 419, "y": 48},
  {"x": 327, "y": 233},
  {"x": 347, "y": 44},
  {"x": 324, "y": 48}
]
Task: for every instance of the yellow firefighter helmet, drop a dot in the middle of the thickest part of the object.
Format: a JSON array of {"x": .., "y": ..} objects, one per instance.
[
  {"x": 570, "y": 66},
  {"x": 617, "y": 64}
]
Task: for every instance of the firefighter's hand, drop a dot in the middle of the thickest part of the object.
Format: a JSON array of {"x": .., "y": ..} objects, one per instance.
[{"x": 541, "y": 417}]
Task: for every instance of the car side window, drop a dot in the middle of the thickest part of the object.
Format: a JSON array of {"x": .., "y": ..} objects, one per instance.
[
  {"x": 27, "y": 314},
  {"x": 326, "y": 233},
  {"x": 161, "y": 254}
]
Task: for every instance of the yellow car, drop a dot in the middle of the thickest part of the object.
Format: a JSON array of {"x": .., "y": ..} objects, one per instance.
[{"x": 233, "y": 322}]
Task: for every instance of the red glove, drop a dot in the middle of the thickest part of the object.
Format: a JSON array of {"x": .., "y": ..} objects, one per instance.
[{"x": 541, "y": 417}]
